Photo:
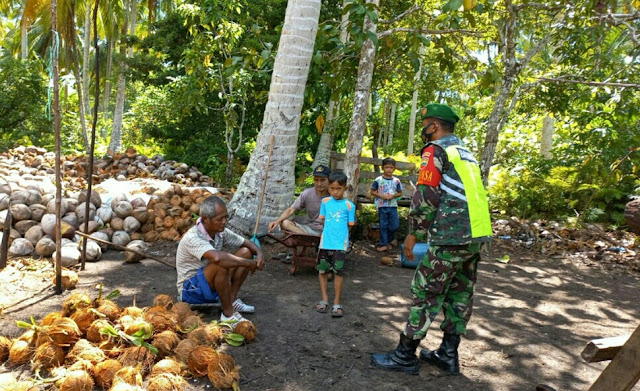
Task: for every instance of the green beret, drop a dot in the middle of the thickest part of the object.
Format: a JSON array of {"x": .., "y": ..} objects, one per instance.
[{"x": 440, "y": 111}]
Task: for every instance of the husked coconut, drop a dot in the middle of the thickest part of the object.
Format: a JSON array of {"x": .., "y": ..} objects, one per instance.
[
  {"x": 72, "y": 219},
  {"x": 51, "y": 207},
  {"x": 121, "y": 237},
  {"x": 104, "y": 213},
  {"x": 37, "y": 211},
  {"x": 138, "y": 202},
  {"x": 72, "y": 204},
  {"x": 20, "y": 247},
  {"x": 69, "y": 256},
  {"x": 81, "y": 211},
  {"x": 95, "y": 198},
  {"x": 123, "y": 209},
  {"x": 117, "y": 198},
  {"x": 18, "y": 196},
  {"x": 93, "y": 226},
  {"x": 100, "y": 235},
  {"x": 117, "y": 223},
  {"x": 66, "y": 230},
  {"x": 4, "y": 201},
  {"x": 69, "y": 279},
  {"x": 20, "y": 212},
  {"x": 131, "y": 224},
  {"x": 24, "y": 225},
  {"x": 34, "y": 234},
  {"x": 140, "y": 247},
  {"x": 33, "y": 197},
  {"x": 94, "y": 252},
  {"x": 141, "y": 214},
  {"x": 45, "y": 247},
  {"x": 48, "y": 223}
]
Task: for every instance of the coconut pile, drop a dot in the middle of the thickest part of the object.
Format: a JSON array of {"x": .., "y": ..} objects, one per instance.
[
  {"x": 95, "y": 343},
  {"x": 161, "y": 212}
]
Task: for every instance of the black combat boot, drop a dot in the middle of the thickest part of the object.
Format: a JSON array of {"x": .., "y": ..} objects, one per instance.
[
  {"x": 446, "y": 357},
  {"x": 402, "y": 359}
]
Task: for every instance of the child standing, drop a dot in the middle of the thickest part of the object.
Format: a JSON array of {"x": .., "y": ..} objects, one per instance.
[
  {"x": 339, "y": 216},
  {"x": 387, "y": 189}
]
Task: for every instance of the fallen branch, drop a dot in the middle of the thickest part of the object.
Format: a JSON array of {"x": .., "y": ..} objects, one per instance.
[{"x": 123, "y": 248}]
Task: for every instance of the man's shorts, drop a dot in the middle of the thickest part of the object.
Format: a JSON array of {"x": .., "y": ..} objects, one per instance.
[
  {"x": 331, "y": 260},
  {"x": 196, "y": 290},
  {"x": 302, "y": 223}
]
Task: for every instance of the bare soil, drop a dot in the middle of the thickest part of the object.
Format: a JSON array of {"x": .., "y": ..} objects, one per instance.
[{"x": 532, "y": 318}]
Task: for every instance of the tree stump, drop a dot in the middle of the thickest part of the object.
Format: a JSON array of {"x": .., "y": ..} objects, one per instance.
[{"x": 632, "y": 215}]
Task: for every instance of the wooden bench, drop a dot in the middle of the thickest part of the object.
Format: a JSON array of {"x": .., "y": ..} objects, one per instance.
[{"x": 408, "y": 178}]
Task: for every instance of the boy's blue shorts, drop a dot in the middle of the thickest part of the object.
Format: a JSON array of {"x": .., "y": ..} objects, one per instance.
[{"x": 196, "y": 290}]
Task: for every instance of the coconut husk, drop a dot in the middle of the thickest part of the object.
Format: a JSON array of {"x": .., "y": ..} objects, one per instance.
[
  {"x": 247, "y": 329},
  {"x": 167, "y": 382},
  {"x": 128, "y": 374},
  {"x": 132, "y": 311},
  {"x": 5, "y": 345},
  {"x": 93, "y": 332},
  {"x": 64, "y": 332},
  {"x": 104, "y": 372},
  {"x": 191, "y": 322},
  {"x": 82, "y": 365},
  {"x": 165, "y": 342},
  {"x": 20, "y": 352},
  {"x": 110, "y": 309},
  {"x": 51, "y": 317},
  {"x": 164, "y": 301},
  {"x": 85, "y": 350},
  {"x": 137, "y": 356},
  {"x": 199, "y": 359},
  {"x": 74, "y": 301},
  {"x": 151, "y": 236},
  {"x": 111, "y": 347},
  {"x": 161, "y": 319},
  {"x": 47, "y": 356},
  {"x": 24, "y": 385},
  {"x": 131, "y": 325},
  {"x": 209, "y": 334},
  {"x": 122, "y": 386},
  {"x": 28, "y": 336},
  {"x": 183, "y": 349},
  {"x": 167, "y": 365},
  {"x": 69, "y": 279},
  {"x": 222, "y": 371},
  {"x": 84, "y": 317},
  {"x": 183, "y": 310},
  {"x": 77, "y": 381}
]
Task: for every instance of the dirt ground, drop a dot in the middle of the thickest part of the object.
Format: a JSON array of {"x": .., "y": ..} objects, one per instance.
[{"x": 532, "y": 318}]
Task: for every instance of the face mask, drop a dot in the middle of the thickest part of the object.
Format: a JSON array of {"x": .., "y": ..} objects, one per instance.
[{"x": 426, "y": 137}]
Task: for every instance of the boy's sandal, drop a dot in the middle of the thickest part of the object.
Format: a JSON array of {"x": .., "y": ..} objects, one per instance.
[
  {"x": 337, "y": 311},
  {"x": 322, "y": 306}
]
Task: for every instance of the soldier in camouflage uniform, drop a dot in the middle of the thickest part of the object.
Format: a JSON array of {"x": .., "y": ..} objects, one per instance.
[{"x": 449, "y": 209}]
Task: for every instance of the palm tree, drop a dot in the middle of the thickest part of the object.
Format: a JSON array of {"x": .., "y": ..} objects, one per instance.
[{"x": 281, "y": 119}]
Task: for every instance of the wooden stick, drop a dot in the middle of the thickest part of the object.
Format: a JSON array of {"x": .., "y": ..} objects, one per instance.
[
  {"x": 623, "y": 371},
  {"x": 4, "y": 246},
  {"x": 603, "y": 349},
  {"x": 123, "y": 248},
  {"x": 264, "y": 186}
]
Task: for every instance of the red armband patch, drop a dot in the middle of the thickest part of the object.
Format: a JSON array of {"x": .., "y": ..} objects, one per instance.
[{"x": 429, "y": 174}]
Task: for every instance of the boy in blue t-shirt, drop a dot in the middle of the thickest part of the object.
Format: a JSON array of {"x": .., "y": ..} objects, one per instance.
[
  {"x": 387, "y": 188},
  {"x": 339, "y": 216}
]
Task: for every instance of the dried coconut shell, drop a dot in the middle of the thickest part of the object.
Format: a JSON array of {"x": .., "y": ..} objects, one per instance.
[
  {"x": 74, "y": 301},
  {"x": 69, "y": 279},
  {"x": 166, "y": 382},
  {"x": 165, "y": 342},
  {"x": 104, "y": 372},
  {"x": 209, "y": 334},
  {"x": 166, "y": 365},
  {"x": 164, "y": 301},
  {"x": 247, "y": 329},
  {"x": 110, "y": 309},
  {"x": 85, "y": 350},
  {"x": 64, "y": 332},
  {"x": 222, "y": 371},
  {"x": 199, "y": 359},
  {"x": 47, "y": 356},
  {"x": 77, "y": 381},
  {"x": 93, "y": 332},
  {"x": 84, "y": 317},
  {"x": 183, "y": 349},
  {"x": 128, "y": 374},
  {"x": 51, "y": 317},
  {"x": 5, "y": 345},
  {"x": 137, "y": 356},
  {"x": 20, "y": 352}
]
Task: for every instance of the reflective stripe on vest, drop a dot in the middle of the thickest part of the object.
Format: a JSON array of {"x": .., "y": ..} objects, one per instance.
[{"x": 474, "y": 193}]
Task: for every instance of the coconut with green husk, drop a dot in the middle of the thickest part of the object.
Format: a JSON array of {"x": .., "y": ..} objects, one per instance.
[
  {"x": 104, "y": 372},
  {"x": 199, "y": 359},
  {"x": 166, "y": 342},
  {"x": 222, "y": 372}
]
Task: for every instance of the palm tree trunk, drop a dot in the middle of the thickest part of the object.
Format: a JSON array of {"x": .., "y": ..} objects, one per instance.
[
  {"x": 24, "y": 41},
  {"x": 359, "y": 117},
  {"x": 82, "y": 114},
  {"x": 107, "y": 81},
  {"x": 86, "y": 51},
  {"x": 414, "y": 105},
  {"x": 392, "y": 124},
  {"x": 281, "y": 119},
  {"x": 323, "y": 153}
]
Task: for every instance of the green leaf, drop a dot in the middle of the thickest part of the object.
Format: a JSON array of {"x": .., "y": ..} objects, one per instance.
[
  {"x": 151, "y": 348},
  {"x": 235, "y": 337},
  {"x": 504, "y": 259},
  {"x": 373, "y": 37},
  {"x": 115, "y": 293},
  {"x": 372, "y": 15},
  {"x": 23, "y": 325},
  {"x": 452, "y": 5}
]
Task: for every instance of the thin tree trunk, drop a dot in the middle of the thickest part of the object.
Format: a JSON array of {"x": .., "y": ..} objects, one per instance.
[
  {"x": 86, "y": 51},
  {"x": 546, "y": 142},
  {"x": 107, "y": 82},
  {"x": 281, "y": 119},
  {"x": 382, "y": 136},
  {"x": 359, "y": 117},
  {"x": 81, "y": 108},
  {"x": 56, "y": 130},
  {"x": 24, "y": 41},
  {"x": 392, "y": 124},
  {"x": 228, "y": 173},
  {"x": 323, "y": 154},
  {"x": 414, "y": 104}
]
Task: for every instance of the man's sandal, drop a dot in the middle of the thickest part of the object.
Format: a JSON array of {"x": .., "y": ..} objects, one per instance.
[
  {"x": 337, "y": 311},
  {"x": 381, "y": 249},
  {"x": 322, "y": 306}
]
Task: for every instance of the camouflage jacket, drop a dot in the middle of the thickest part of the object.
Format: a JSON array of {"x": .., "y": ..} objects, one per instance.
[{"x": 435, "y": 216}]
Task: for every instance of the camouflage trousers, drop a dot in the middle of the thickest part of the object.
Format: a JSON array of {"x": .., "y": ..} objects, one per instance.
[{"x": 444, "y": 279}]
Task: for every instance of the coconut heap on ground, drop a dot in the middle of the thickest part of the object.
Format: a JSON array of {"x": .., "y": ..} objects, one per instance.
[
  {"x": 93, "y": 343},
  {"x": 147, "y": 214}
]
